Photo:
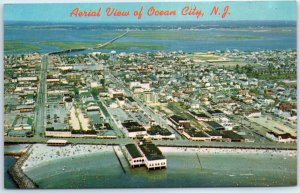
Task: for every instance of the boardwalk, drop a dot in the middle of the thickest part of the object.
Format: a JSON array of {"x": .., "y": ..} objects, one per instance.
[{"x": 166, "y": 143}]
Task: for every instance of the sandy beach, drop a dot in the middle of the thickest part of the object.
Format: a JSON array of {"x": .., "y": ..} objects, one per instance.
[
  {"x": 82, "y": 166},
  {"x": 40, "y": 153}
]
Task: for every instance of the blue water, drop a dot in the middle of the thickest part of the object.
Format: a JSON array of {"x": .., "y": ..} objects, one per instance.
[
  {"x": 102, "y": 170},
  {"x": 8, "y": 181},
  {"x": 271, "y": 35}
]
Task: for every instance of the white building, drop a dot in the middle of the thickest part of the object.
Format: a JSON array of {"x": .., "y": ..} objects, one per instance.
[
  {"x": 154, "y": 158},
  {"x": 133, "y": 155},
  {"x": 281, "y": 138}
]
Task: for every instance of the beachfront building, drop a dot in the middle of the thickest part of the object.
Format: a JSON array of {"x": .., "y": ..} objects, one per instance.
[
  {"x": 178, "y": 122},
  {"x": 158, "y": 132},
  {"x": 214, "y": 135},
  {"x": 231, "y": 136},
  {"x": 50, "y": 132},
  {"x": 154, "y": 159},
  {"x": 146, "y": 153},
  {"x": 57, "y": 142},
  {"x": 282, "y": 138},
  {"x": 195, "y": 135},
  {"x": 133, "y": 155}
]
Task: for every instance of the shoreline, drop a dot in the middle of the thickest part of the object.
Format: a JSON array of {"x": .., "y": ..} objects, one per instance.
[
  {"x": 41, "y": 153},
  {"x": 19, "y": 176},
  {"x": 226, "y": 151}
]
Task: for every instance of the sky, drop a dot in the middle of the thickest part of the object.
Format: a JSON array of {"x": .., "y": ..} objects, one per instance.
[{"x": 243, "y": 10}]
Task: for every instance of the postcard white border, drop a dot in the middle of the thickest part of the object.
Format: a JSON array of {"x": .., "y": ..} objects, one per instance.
[{"x": 292, "y": 189}]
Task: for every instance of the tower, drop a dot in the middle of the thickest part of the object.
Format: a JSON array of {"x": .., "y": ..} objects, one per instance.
[{"x": 113, "y": 57}]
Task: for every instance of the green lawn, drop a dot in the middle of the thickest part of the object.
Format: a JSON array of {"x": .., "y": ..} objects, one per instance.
[
  {"x": 185, "y": 35},
  {"x": 70, "y": 45},
  {"x": 180, "y": 35}
]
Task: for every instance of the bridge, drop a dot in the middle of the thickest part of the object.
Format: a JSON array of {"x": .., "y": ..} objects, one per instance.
[{"x": 97, "y": 47}]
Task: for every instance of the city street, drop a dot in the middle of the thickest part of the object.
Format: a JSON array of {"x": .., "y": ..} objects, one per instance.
[{"x": 40, "y": 119}]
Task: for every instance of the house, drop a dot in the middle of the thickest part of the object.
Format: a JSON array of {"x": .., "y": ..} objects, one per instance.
[{"x": 215, "y": 113}]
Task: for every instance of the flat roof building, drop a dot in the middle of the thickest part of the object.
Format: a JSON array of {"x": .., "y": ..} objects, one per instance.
[
  {"x": 134, "y": 129},
  {"x": 133, "y": 155},
  {"x": 282, "y": 138},
  {"x": 179, "y": 122},
  {"x": 158, "y": 132},
  {"x": 214, "y": 125},
  {"x": 232, "y": 136},
  {"x": 57, "y": 142},
  {"x": 195, "y": 135},
  {"x": 154, "y": 158}
]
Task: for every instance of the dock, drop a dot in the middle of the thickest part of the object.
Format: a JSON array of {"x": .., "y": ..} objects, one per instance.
[{"x": 119, "y": 157}]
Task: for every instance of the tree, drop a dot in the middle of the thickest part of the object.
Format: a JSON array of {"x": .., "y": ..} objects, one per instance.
[
  {"x": 237, "y": 67},
  {"x": 95, "y": 92}
]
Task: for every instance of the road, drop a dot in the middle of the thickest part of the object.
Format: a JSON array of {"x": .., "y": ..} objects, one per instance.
[
  {"x": 110, "y": 118},
  {"x": 145, "y": 108},
  {"x": 40, "y": 118}
]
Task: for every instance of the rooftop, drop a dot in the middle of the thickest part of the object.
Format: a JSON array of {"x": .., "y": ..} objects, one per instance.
[
  {"x": 194, "y": 132},
  {"x": 133, "y": 126},
  {"x": 177, "y": 118},
  {"x": 215, "y": 125},
  {"x": 232, "y": 135},
  {"x": 213, "y": 133},
  {"x": 158, "y": 130},
  {"x": 151, "y": 151},
  {"x": 132, "y": 149}
]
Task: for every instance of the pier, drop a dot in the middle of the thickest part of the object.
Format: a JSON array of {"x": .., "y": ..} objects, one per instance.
[
  {"x": 119, "y": 159},
  {"x": 16, "y": 172}
]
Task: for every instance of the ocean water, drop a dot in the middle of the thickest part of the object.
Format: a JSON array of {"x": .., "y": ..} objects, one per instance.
[
  {"x": 103, "y": 170},
  {"x": 8, "y": 181},
  {"x": 269, "y": 35}
]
